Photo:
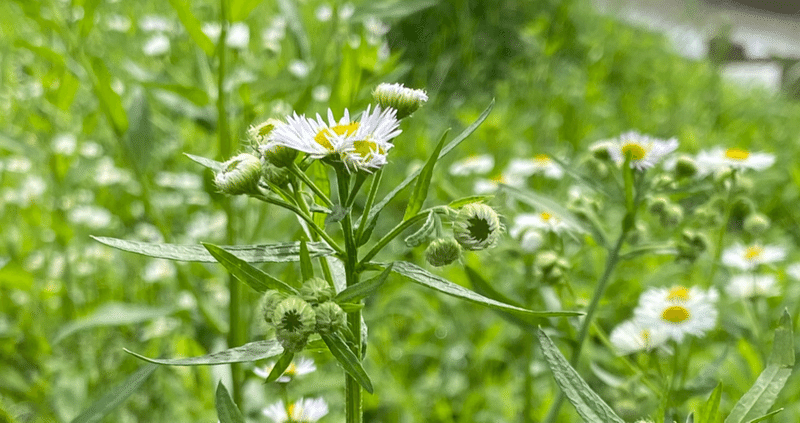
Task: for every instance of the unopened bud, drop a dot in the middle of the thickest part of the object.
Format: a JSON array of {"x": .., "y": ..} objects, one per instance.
[
  {"x": 672, "y": 215},
  {"x": 658, "y": 205},
  {"x": 477, "y": 226},
  {"x": 756, "y": 223},
  {"x": 442, "y": 251},
  {"x": 258, "y": 133},
  {"x": 685, "y": 167},
  {"x": 271, "y": 300},
  {"x": 330, "y": 318},
  {"x": 316, "y": 291},
  {"x": 405, "y": 100},
  {"x": 600, "y": 151},
  {"x": 277, "y": 155},
  {"x": 239, "y": 175},
  {"x": 294, "y": 320}
]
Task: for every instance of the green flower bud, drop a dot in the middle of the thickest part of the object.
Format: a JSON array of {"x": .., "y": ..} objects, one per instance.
[
  {"x": 658, "y": 205},
  {"x": 600, "y": 151},
  {"x": 597, "y": 168},
  {"x": 477, "y": 226},
  {"x": 271, "y": 300},
  {"x": 685, "y": 167},
  {"x": 330, "y": 318},
  {"x": 756, "y": 223},
  {"x": 275, "y": 175},
  {"x": 546, "y": 260},
  {"x": 294, "y": 320},
  {"x": 260, "y": 132},
  {"x": 442, "y": 251},
  {"x": 239, "y": 175},
  {"x": 692, "y": 244},
  {"x": 405, "y": 100},
  {"x": 664, "y": 181},
  {"x": 277, "y": 155},
  {"x": 316, "y": 291},
  {"x": 672, "y": 215}
]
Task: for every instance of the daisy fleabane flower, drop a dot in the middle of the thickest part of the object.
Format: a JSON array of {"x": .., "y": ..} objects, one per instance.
[
  {"x": 540, "y": 163},
  {"x": 473, "y": 165},
  {"x": 749, "y": 257},
  {"x": 632, "y": 336},
  {"x": 366, "y": 147},
  {"x": 719, "y": 158},
  {"x": 751, "y": 285},
  {"x": 299, "y": 367},
  {"x": 544, "y": 220},
  {"x": 305, "y": 410},
  {"x": 677, "y": 311},
  {"x": 644, "y": 150}
]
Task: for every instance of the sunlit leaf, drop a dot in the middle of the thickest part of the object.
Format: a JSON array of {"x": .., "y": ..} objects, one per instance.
[
  {"x": 306, "y": 268},
  {"x": 393, "y": 10},
  {"x": 252, "y": 351},
  {"x": 709, "y": 411},
  {"x": 115, "y": 396},
  {"x": 227, "y": 411},
  {"x": 587, "y": 403},
  {"x": 348, "y": 360},
  {"x": 257, "y": 279},
  {"x": 209, "y": 163}
]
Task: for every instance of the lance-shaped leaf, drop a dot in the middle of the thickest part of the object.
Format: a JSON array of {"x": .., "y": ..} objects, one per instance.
[
  {"x": 766, "y": 416},
  {"x": 208, "y": 163},
  {"x": 481, "y": 286},
  {"x": 266, "y": 253},
  {"x": 252, "y": 351},
  {"x": 348, "y": 360},
  {"x": 424, "y": 181},
  {"x": 256, "y": 278},
  {"x": 428, "y": 279},
  {"x": 421, "y": 235},
  {"x": 113, "y": 314},
  {"x": 192, "y": 26},
  {"x": 280, "y": 366},
  {"x": 373, "y": 214},
  {"x": 116, "y": 396},
  {"x": 762, "y": 395},
  {"x": 363, "y": 289},
  {"x": 587, "y": 403},
  {"x": 709, "y": 411},
  {"x": 227, "y": 411}
]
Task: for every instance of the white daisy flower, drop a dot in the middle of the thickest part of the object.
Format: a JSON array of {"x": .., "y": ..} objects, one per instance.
[
  {"x": 314, "y": 137},
  {"x": 299, "y": 367},
  {"x": 719, "y": 158},
  {"x": 305, "y": 410},
  {"x": 157, "y": 45},
  {"x": 540, "y": 163},
  {"x": 367, "y": 146},
  {"x": 544, "y": 221},
  {"x": 473, "y": 165},
  {"x": 750, "y": 285},
  {"x": 632, "y": 336},
  {"x": 488, "y": 186},
  {"x": 677, "y": 311},
  {"x": 643, "y": 150},
  {"x": 749, "y": 257}
]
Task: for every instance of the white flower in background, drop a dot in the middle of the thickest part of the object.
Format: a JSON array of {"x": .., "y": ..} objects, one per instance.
[
  {"x": 155, "y": 23},
  {"x": 540, "y": 163},
  {"x": 238, "y": 36},
  {"x": 750, "y": 285},
  {"x": 677, "y": 311},
  {"x": 324, "y": 12},
  {"x": 299, "y": 68},
  {"x": 489, "y": 186},
  {"x": 643, "y": 150},
  {"x": 543, "y": 221},
  {"x": 631, "y": 336},
  {"x": 375, "y": 30},
  {"x": 473, "y": 165},
  {"x": 531, "y": 241},
  {"x": 272, "y": 35},
  {"x": 749, "y": 257},
  {"x": 793, "y": 270},
  {"x": 118, "y": 23},
  {"x": 186, "y": 181},
  {"x": 157, "y": 45},
  {"x": 321, "y": 93},
  {"x": 65, "y": 144},
  {"x": 158, "y": 269},
  {"x": 298, "y": 367},
  {"x": 94, "y": 217},
  {"x": 719, "y": 158},
  {"x": 305, "y": 410},
  {"x": 91, "y": 149},
  {"x": 346, "y": 11}
]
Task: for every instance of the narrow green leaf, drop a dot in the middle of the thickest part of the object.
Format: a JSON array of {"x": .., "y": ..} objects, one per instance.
[
  {"x": 765, "y": 416},
  {"x": 87, "y": 22},
  {"x": 245, "y": 272},
  {"x": 394, "y": 10},
  {"x": 348, "y": 360},
  {"x": 227, "y": 411},
  {"x": 425, "y": 278},
  {"x": 424, "y": 181},
  {"x": 461, "y": 202},
  {"x": 587, "y": 403},
  {"x": 116, "y": 396},
  {"x": 44, "y": 52},
  {"x": 421, "y": 235},
  {"x": 762, "y": 395},
  {"x": 363, "y": 289},
  {"x": 280, "y": 366},
  {"x": 252, "y": 351},
  {"x": 139, "y": 138},
  {"x": 373, "y": 214},
  {"x": 482, "y": 285},
  {"x": 211, "y": 164},
  {"x": 295, "y": 22},
  {"x": 113, "y": 314},
  {"x": 265, "y": 253},
  {"x": 192, "y": 26},
  {"x": 709, "y": 411},
  {"x": 241, "y": 9},
  {"x": 306, "y": 268},
  {"x": 110, "y": 102}
]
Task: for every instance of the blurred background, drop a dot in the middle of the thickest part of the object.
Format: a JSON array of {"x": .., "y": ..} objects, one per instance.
[{"x": 100, "y": 99}]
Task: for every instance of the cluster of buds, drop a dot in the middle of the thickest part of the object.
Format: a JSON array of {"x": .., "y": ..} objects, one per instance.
[
  {"x": 550, "y": 267},
  {"x": 691, "y": 245},
  {"x": 476, "y": 227},
  {"x": 296, "y": 317},
  {"x": 669, "y": 213}
]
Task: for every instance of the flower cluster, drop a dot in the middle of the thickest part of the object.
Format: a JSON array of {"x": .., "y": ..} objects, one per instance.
[
  {"x": 304, "y": 410},
  {"x": 516, "y": 172}
]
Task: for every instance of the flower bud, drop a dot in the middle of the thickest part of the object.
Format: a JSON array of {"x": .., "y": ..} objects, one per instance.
[
  {"x": 330, "y": 318},
  {"x": 756, "y": 223},
  {"x": 546, "y": 260},
  {"x": 477, "y": 226},
  {"x": 271, "y": 300},
  {"x": 239, "y": 175},
  {"x": 277, "y": 155},
  {"x": 685, "y": 167},
  {"x": 278, "y": 176},
  {"x": 316, "y": 291},
  {"x": 294, "y": 320},
  {"x": 405, "y": 100},
  {"x": 260, "y": 132},
  {"x": 691, "y": 245},
  {"x": 442, "y": 251},
  {"x": 600, "y": 151},
  {"x": 658, "y": 205},
  {"x": 672, "y": 215}
]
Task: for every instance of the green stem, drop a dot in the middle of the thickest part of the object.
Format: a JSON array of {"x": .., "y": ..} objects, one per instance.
[
  {"x": 353, "y": 401},
  {"x": 306, "y": 180},
  {"x": 397, "y": 230},
  {"x": 373, "y": 192},
  {"x": 724, "y": 229}
]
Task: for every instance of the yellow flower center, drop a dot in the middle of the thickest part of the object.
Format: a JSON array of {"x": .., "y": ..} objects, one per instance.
[
  {"x": 675, "y": 314},
  {"x": 265, "y": 129},
  {"x": 542, "y": 158},
  {"x": 645, "y": 334},
  {"x": 753, "y": 252},
  {"x": 546, "y": 216},
  {"x": 500, "y": 179},
  {"x": 291, "y": 370},
  {"x": 290, "y": 410},
  {"x": 737, "y": 154},
  {"x": 365, "y": 147},
  {"x": 634, "y": 151},
  {"x": 323, "y": 137},
  {"x": 678, "y": 293}
]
